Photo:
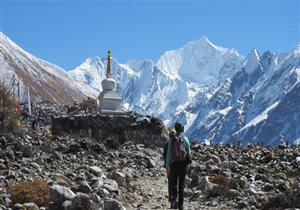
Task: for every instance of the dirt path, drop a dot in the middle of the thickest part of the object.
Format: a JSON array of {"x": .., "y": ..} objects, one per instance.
[{"x": 153, "y": 193}]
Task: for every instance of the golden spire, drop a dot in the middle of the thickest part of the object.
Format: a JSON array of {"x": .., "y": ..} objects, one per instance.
[{"x": 108, "y": 71}]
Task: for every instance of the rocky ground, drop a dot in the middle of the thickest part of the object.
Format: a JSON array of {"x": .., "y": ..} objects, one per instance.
[{"x": 86, "y": 174}]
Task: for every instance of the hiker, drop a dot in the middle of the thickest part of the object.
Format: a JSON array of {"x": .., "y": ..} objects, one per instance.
[
  {"x": 172, "y": 132},
  {"x": 178, "y": 161}
]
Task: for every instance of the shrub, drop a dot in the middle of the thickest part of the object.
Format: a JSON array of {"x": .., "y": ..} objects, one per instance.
[
  {"x": 220, "y": 180},
  {"x": 88, "y": 104},
  {"x": 223, "y": 183},
  {"x": 8, "y": 116},
  {"x": 36, "y": 191}
]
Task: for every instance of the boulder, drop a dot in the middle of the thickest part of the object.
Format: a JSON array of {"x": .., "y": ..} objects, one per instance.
[
  {"x": 242, "y": 204},
  {"x": 268, "y": 187},
  {"x": 30, "y": 206},
  {"x": 150, "y": 163},
  {"x": 60, "y": 193},
  {"x": 113, "y": 205},
  {"x": 215, "y": 158},
  {"x": 97, "y": 171},
  {"x": 111, "y": 185},
  {"x": 119, "y": 177},
  {"x": 97, "y": 184},
  {"x": 84, "y": 187},
  {"x": 66, "y": 205},
  {"x": 82, "y": 201},
  {"x": 232, "y": 194},
  {"x": 9, "y": 153}
]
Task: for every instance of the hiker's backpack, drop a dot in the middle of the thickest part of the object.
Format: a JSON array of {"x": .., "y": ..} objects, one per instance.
[{"x": 179, "y": 150}]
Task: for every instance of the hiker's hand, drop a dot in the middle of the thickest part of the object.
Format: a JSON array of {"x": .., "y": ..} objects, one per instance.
[{"x": 168, "y": 172}]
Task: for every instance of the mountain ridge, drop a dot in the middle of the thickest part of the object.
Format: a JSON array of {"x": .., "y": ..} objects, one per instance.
[
  {"x": 36, "y": 74},
  {"x": 233, "y": 91}
]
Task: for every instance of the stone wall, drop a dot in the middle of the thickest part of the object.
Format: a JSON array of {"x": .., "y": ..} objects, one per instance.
[{"x": 113, "y": 129}]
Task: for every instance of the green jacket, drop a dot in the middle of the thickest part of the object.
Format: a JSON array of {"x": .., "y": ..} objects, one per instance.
[{"x": 170, "y": 151}]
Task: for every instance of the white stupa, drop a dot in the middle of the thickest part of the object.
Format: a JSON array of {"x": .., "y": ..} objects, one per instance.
[{"x": 109, "y": 100}]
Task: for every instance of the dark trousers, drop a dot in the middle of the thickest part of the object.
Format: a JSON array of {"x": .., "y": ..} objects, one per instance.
[{"x": 177, "y": 177}]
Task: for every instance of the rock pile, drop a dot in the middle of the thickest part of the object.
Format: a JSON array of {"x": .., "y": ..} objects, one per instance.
[
  {"x": 235, "y": 177},
  {"x": 80, "y": 172},
  {"x": 83, "y": 173}
]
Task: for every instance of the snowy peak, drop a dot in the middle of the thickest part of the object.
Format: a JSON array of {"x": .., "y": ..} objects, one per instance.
[
  {"x": 269, "y": 61},
  {"x": 91, "y": 72},
  {"x": 252, "y": 61},
  {"x": 296, "y": 50},
  {"x": 4, "y": 38},
  {"x": 134, "y": 64},
  {"x": 92, "y": 62},
  {"x": 200, "y": 61},
  {"x": 14, "y": 50},
  {"x": 137, "y": 65},
  {"x": 9, "y": 45},
  {"x": 204, "y": 42}
]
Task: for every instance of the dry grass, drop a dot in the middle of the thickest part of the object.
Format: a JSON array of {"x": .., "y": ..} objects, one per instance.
[
  {"x": 223, "y": 183},
  {"x": 36, "y": 191},
  {"x": 220, "y": 180}
]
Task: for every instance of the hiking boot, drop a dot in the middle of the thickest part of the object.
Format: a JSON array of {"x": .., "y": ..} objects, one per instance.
[
  {"x": 174, "y": 205},
  {"x": 180, "y": 207}
]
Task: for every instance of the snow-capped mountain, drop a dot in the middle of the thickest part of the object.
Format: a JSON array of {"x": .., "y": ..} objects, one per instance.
[
  {"x": 163, "y": 88},
  {"x": 144, "y": 87},
  {"x": 45, "y": 80},
  {"x": 201, "y": 62},
  {"x": 90, "y": 72},
  {"x": 260, "y": 104},
  {"x": 217, "y": 93}
]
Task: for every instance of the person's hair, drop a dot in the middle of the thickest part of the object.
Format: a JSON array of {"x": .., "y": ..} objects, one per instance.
[
  {"x": 179, "y": 127},
  {"x": 172, "y": 132}
]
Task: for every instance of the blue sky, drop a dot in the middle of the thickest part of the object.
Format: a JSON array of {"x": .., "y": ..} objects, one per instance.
[{"x": 67, "y": 32}]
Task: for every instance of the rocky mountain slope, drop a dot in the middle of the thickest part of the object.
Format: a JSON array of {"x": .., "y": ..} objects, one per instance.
[
  {"x": 258, "y": 105},
  {"x": 47, "y": 82}
]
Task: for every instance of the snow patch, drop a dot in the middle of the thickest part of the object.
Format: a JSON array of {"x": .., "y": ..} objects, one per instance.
[
  {"x": 225, "y": 111},
  {"x": 259, "y": 118}
]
